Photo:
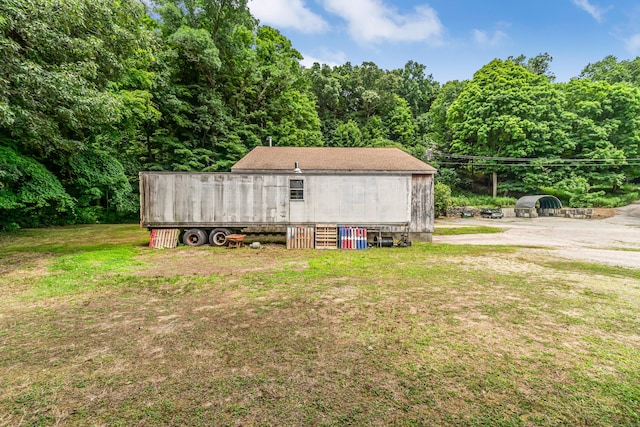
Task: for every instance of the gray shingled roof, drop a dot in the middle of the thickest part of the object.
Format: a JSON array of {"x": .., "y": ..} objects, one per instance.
[{"x": 318, "y": 159}]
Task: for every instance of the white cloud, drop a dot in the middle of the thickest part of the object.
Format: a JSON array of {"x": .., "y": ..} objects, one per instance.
[
  {"x": 371, "y": 21},
  {"x": 333, "y": 59},
  {"x": 633, "y": 44},
  {"x": 591, "y": 9},
  {"x": 287, "y": 14},
  {"x": 484, "y": 39}
]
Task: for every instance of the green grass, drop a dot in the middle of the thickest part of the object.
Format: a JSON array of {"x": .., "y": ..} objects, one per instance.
[
  {"x": 98, "y": 329},
  {"x": 72, "y": 239}
]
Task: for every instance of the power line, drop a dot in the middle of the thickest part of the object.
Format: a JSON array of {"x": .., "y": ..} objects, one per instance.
[
  {"x": 541, "y": 162},
  {"x": 531, "y": 159},
  {"x": 542, "y": 165}
]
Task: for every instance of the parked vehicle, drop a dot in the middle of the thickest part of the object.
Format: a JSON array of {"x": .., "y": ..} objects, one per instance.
[{"x": 491, "y": 213}]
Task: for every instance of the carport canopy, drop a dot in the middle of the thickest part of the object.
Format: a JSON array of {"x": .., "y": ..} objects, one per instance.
[{"x": 545, "y": 202}]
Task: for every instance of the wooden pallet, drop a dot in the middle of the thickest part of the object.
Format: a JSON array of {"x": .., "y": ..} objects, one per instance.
[
  {"x": 162, "y": 238},
  {"x": 326, "y": 236},
  {"x": 300, "y": 237}
]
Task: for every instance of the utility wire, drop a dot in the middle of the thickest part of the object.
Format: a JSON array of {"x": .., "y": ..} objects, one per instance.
[
  {"x": 531, "y": 159},
  {"x": 542, "y": 162},
  {"x": 541, "y": 165}
]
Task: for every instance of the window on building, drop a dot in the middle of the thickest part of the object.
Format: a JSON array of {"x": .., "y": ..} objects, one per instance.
[{"x": 296, "y": 189}]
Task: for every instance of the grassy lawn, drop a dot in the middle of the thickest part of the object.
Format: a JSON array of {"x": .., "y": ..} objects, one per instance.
[{"x": 98, "y": 329}]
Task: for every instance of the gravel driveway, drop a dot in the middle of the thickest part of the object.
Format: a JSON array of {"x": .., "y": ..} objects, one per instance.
[{"x": 613, "y": 241}]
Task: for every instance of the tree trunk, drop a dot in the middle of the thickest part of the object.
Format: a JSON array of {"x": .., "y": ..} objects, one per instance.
[{"x": 495, "y": 185}]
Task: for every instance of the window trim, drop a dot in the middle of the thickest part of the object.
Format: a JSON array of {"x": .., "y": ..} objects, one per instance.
[{"x": 297, "y": 191}]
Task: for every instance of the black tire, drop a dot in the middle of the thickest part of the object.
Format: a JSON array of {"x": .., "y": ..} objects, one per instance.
[
  {"x": 218, "y": 237},
  {"x": 194, "y": 237}
]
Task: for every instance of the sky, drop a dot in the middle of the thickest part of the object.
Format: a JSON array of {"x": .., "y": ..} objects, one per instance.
[{"x": 455, "y": 38}]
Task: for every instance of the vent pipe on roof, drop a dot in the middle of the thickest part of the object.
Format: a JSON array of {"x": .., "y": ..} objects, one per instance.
[
  {"x": 270, "y": 141},
  {"x": 296, "y": 169}
]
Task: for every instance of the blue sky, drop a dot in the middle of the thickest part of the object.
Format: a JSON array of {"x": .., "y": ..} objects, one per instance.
[{"x": 455, "y": 38}]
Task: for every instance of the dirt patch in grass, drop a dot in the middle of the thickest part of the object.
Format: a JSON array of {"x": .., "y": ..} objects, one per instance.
[
  {"x": 24, "y": 265},
  {"x": 205, "y": 261},
  {"x": 427, "y": 335}
]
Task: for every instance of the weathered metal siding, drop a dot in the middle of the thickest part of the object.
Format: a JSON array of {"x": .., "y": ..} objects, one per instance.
[
  {"x": 234, "y": 199},
  {"x": 357, "y": 199},
  {"x": 422, "y": 215},
  {"x": 204, "y": 199}
]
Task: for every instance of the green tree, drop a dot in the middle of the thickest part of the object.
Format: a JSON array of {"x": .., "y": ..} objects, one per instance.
[
  {"x": 284, "y": 97},
  {"x": 539, "y": 64},
  {"x": 327, "y": 90},
  {"x": 437, "y": 130},
  {"x": 417, "y": 88},
  {"x": 375, "y": 133},
  {"x": 610, "y": 70},
  {"x": 30, "y": 195},
  {"x": 507, "y": 111},
  {"x": 62, "y": 64},
  {"x": 231, "y": 84},
  {"x": 366, "y": 93},
  {"x": 604, "y": 128},
  {"x": 348, "y": 135},
  {"x": 401, "y": 125}
]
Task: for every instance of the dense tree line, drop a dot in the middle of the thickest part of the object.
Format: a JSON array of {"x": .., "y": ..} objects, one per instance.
[{"x": 94, "y": 91}]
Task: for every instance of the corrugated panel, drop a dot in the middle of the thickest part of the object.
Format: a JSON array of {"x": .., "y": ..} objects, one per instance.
[
  {"x": 162, "y": 238},
  {"x": 300, "y": 237},
  {"x": 544, "y": 201}
]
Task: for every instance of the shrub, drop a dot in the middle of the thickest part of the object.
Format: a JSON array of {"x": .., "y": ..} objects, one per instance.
[
  {"x": 442, "y": 198},
  {"x": 449, "y": 177},
  {"x": 482, "y": 201},
  {"x": 579, "y": 190}
]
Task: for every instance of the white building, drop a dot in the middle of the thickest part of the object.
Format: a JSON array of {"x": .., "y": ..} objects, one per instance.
[{"x": 273, "y": 187}]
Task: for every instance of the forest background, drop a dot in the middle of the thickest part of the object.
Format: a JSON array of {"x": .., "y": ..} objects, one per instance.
[{"x": 94, "y": 91}]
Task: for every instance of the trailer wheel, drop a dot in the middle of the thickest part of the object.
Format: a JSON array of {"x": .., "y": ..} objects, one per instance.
[
  {"x": 218, "y": 236},
  {"x": 194, "y": 237}
]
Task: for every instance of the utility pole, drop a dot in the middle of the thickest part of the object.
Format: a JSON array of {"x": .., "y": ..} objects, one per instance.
[{"x": 495, "y": 185}]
